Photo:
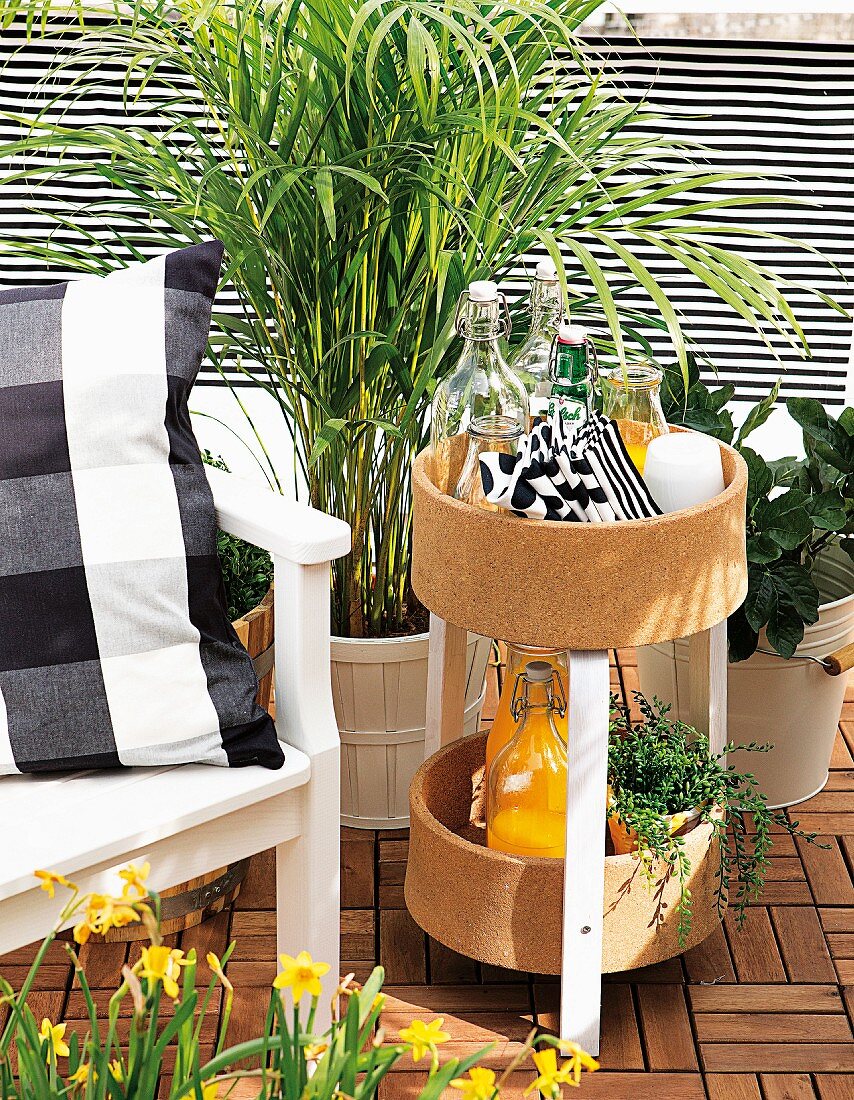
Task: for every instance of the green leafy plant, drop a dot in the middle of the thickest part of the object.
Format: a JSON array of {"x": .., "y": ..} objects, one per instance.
[
  {"x": 795, "y": 508},
  {"x": 247, "y": 570},
  {"x": 169, "y": 1007},
  {"x": 662, "y": 767},
  {"x": 362, "y": 160}
]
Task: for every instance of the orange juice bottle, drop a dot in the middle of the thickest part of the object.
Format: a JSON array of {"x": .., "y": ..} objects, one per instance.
[
  {"x": 631, "y": 396},
  {"x": 505, "y": 725},
  {"x": 526, "y": 793}
]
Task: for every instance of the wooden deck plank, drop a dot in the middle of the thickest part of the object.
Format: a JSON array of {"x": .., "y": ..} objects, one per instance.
[
  {"x": 765, "y": 998},
  {"x": 733, "y": 1086},
  {"x": 754, "y": 948},
  {"x": 771, "y": 1027},
  {"x": 802, "y": 943},
  {"x": 836, "y": 1087},
  {"x": 666, "y": 1028},
  {"x": 826, "y": 872},
  {"x": 787, "y": 1086},
  {"x": 767, "y": 1057},
  {"x": 710, "y": 961}
]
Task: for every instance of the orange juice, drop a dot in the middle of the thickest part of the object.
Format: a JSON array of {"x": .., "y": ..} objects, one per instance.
[
  {"x": 504, "y": 725},
  {"x": 637, "y": 438},
  {"x": 526, "y": 792}
]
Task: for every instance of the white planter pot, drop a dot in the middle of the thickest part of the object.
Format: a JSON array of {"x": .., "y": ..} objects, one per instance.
[
  {"x": 379, "y": 688},
  {"x": 792, "y": 704}
]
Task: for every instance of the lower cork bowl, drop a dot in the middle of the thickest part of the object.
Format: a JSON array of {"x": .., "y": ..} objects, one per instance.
[{"x": 507, "y": 910}]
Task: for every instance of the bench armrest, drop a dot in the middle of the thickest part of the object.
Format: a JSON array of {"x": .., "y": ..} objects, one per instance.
[{"x": 286, "y": 529}]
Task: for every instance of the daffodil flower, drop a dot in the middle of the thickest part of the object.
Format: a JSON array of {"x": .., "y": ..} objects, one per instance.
[
  {"x": 162, "y": 964},
  {"x": 55, "y": 1035},
  {"x": 134, "y": 879},
  {"x": 81, "y": 1075},
  {"x": 116, "y": 1073},
  {"x": 424, "y": 1038},
  {"x": 577, "y": 1060},
  {"x": 551, "y": 1077},
  {"x": 216, "y": 966},
  {"x": 49, "y": 880},
  {"x": 313, "y": 1051},
  {"x": 301, "y": 974},
  {"x": 103, "y": 913},
  {"x": 479, "y": 1085},
  {"x": 210, "y": 1090}
]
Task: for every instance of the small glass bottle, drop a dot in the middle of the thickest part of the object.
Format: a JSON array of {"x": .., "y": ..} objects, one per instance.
[
  {"x": 571, "y": 376},
  {"x": 486, "y": 433},
  {"x": 504, "y": 725},
  {"x": 526, "y": 792},
  {"x": 632, "y": 397},
  {"x": 480, "y": 384},
  {"x": 531, "y": 359}
]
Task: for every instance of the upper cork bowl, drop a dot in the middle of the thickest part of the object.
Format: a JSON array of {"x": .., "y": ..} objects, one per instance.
[
  {"x": 578, "y": 585},
  {"x": 507, "y": 910}
]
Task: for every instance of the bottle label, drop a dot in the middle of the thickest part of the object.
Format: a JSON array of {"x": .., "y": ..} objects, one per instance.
[{"x": 571, "y": 411}]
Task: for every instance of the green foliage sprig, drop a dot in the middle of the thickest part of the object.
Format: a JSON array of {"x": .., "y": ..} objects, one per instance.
[
  {"x": 661, "y": 767},
  {"x": 795, "y": 508},
  {"x": 362, "y": 160}
]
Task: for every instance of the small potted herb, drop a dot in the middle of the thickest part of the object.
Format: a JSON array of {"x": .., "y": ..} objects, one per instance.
[{"x": 664, "y": 782}]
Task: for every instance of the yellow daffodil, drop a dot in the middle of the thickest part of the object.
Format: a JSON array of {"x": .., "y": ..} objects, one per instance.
[
  {"x": 210, "y": 1090},
  {"x": 313, "y": 1051},
  {"x": 134, "y": 880},
  {"x": 102, "y": 914},
  {"x": 378, "y": 1003},
  {"x": 577, "y": 1060},
  {"x": 301, "y": 974},
  {"x": 479, "y": 1085},
  {"x": 116, "y": 1070},
  {"x": 55, "y": 1035},
  {"x": 216, "y": 966},
  {"x": 162, "y": 964},
  {"x": 50, "y": 880},
  {"x": 551, "y": 1077},
  {"x": 424, "y": 1038},
  {"x": 81, "y": 1075}
]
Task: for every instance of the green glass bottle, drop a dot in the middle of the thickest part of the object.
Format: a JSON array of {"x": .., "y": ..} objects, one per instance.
[{"x": 571, "y": 376}]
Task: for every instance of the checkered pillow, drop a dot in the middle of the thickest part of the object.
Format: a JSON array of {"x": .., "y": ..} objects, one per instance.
[{"x": 115, "y": 645}]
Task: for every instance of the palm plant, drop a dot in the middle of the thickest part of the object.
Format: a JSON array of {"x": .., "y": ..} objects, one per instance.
[{"x": 362, "y": 160}]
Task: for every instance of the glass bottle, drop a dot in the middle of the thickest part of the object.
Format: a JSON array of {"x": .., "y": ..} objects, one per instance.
[
  {"x": 480, "y": 384},
  {"x": 531, "y": 359},
  {"x": 633, "y": 398},
  {"x": 504, "y": 725},
  {"x": 571, "y": 375},
  {"x": 526, "y": 792},
  {"x": 486, "y": 433}
]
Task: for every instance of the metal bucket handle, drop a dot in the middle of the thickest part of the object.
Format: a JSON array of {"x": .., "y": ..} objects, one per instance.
[{"x": 834, "y": 664}]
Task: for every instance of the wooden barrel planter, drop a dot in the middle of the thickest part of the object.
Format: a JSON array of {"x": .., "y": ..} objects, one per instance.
[{"x": 190, "y": 903}]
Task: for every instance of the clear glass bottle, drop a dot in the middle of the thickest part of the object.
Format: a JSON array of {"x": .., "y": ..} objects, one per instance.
[
  {"x": 633, "y": 398},
  {"x": 530, "y": 360},
  {"x": 504, "y": 725},
  {"x": 571, "y": 386},
  {"x": 486, "y": 433},
  {"x": 480, "y": 384},
  {"x": 526, "y": 792}
]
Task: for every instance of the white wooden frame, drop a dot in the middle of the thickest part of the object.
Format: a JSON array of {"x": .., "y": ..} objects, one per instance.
[
  {"x": 190, "y": 820},
  {"x": 587, "y": 750}
]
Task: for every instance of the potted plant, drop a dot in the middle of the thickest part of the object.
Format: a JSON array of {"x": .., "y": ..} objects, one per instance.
[
  {"x": 362, "y": 163},
  {"x": 174, "y": 999},
  {"x": 664, "y": 783},
  {"x": 800, "y": 601}
]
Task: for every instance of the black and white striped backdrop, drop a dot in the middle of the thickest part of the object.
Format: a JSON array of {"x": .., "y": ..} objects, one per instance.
[{"x": 782, "y": 109}]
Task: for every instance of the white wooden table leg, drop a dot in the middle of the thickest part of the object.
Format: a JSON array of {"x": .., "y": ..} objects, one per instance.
[
  {"x": 584, "y": 874},
  {"x": 446, "y": 684},
  {"x": 707, "y": 679}
]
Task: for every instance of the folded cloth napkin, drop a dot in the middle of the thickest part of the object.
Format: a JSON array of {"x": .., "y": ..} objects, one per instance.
[{"x": 586, "y": 477}]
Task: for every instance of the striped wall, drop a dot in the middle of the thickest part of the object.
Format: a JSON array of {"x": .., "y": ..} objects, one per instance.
[{"x": 782, "y": 109}]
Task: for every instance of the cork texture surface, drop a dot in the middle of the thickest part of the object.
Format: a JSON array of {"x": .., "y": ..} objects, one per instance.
[
  {"x": 578, "y": 585},
  {"x": 507, "y": 910}
]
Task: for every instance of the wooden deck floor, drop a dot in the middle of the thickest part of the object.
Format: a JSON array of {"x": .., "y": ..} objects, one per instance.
[{"x": 761, "y": 1014}]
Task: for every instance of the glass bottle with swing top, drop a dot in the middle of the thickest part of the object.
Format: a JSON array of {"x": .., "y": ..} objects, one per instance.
[
  {"x": 532, "y": 358},
  {"x": 480, "y": 384},
  {"x": 526, "y": 789}
]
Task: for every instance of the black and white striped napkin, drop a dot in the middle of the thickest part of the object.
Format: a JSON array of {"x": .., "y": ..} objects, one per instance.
[{"x": 586, "y": 478}]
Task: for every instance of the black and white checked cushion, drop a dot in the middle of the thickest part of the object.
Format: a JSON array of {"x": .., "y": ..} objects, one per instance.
[{"x": 115, "y": 644}]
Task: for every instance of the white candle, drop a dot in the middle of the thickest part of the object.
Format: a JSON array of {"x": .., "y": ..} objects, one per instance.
[{"x": 683, "y": 469}]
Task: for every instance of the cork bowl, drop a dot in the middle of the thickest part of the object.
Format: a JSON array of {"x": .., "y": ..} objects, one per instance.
[
  {"x": 578, "y": 585},
  {"x": 507, "y": 910}
]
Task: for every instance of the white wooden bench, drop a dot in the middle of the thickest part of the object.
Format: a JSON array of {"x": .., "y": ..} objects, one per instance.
[{"x": 190, "y": 820}]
